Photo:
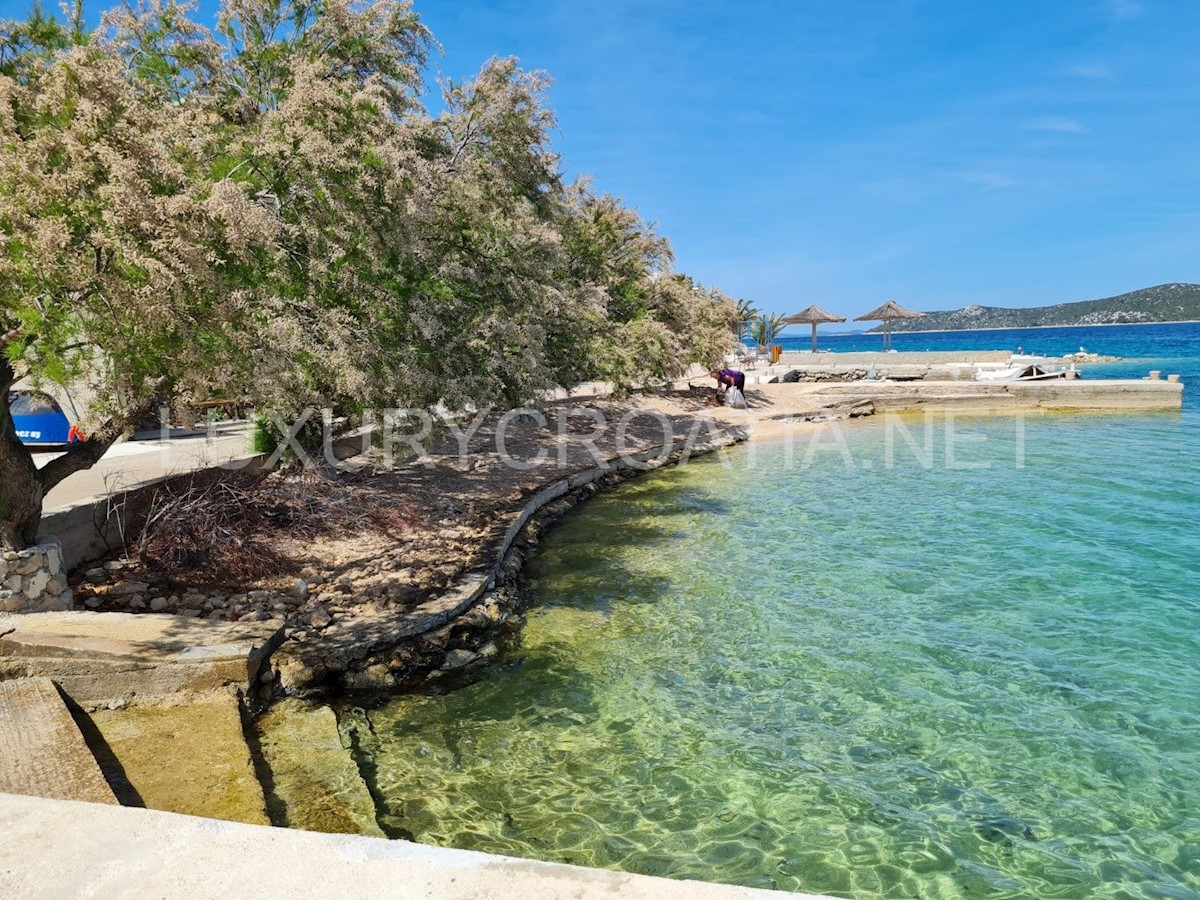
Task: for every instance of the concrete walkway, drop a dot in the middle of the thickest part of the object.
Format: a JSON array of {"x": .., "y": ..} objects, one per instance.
[
  {"x": 58, "y": 849},
  {"x": 102, "y": 658},
  {"x": 1055, "y": 394},
  {"x": 42, "y": 751},
  {"x": 130, "y": 463}
]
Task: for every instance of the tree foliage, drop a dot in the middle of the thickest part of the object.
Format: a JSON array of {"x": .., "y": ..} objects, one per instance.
[
  {"x": 766, "y": 329},
  {"x": 265, "y": 209}
]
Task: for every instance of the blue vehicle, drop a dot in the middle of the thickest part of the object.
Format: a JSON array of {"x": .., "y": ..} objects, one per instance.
[{"x": 40, "y": 421}]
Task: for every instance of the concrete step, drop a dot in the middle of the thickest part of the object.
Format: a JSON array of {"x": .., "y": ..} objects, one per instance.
[
  {"x": 314, "y": 779},
  {"x": 187, "y": 755},
  {"x": 58, "y": 849},
  {"x": 98, "y": 658},
  {"x": 42, "y": 752}
]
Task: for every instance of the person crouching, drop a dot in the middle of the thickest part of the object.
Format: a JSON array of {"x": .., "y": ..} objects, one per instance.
[{"x": 729, "y": 378}]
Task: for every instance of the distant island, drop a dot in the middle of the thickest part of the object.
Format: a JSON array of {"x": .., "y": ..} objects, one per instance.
[{"x": 1164, "y": 303}]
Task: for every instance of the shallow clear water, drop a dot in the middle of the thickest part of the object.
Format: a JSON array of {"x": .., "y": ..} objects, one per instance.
[
  {"x": 870, "y": 681},
  {"x": 968, "y": 669}
]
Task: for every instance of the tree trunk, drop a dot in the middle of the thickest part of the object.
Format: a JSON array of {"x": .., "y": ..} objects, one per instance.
[
  {"x": 23, "y": 485},
  {"x": 20, "y": 483}
]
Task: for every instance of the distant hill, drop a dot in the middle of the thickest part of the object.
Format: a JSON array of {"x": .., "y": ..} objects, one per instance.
[{"x": 1165, "y": 303}]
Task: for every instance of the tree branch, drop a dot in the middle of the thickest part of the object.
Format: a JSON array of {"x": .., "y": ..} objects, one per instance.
[
  {"x": 8, "y": 375},
  {"x": 87, "y": 453}
]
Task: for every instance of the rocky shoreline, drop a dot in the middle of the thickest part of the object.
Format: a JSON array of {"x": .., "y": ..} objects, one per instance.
[
  {"x": 390, "y": 659},
  {"x": 379, "y": 615},
  {"x": 242, "y": 699},
  {"x": 380, "y": 612}
]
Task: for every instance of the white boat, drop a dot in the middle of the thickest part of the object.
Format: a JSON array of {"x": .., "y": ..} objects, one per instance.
[{"x": 1022, "y": 372}]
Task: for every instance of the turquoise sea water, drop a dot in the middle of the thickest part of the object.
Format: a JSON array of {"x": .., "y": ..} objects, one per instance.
[
  {"x": 1131, "y": 341},
  {"x": 969, "y": 668}
]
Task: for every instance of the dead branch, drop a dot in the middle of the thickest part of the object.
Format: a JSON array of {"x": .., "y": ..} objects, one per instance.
[{"x": 233, "y": 530}]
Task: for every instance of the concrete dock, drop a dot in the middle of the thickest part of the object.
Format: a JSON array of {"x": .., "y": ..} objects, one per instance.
[
  {"x": 932, "y": 365},
  {"x": 59, "y": 849},
  {"x": 99, "y": 659},
  {"x": 42, "y": 752},
  {"x": 1057, "y": 394}
]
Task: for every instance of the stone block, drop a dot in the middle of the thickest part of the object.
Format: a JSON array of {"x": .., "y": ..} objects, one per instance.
[
  {"x": 44, "y": 753},
  {"x": 188, "y": 758},
  {"x": 29, "y": 562},
  {"x": 10, "y": 601},
  {"x": 458, "y": 659},
  {"x": 129, "y": 588},
  {"x": 35, "y": 585},
  {"x": 315, "y": 781},
  {"x": 54, "y": 555},
  {"x": 96, "y": 658},
  {"x": 60, "y": 603}
]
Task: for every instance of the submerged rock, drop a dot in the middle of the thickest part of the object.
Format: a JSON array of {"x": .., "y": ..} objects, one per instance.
[
  {"x": 458, "y": 659},
  {"x": 373, "y": 678},
  {"x": 316, "y": 782}
]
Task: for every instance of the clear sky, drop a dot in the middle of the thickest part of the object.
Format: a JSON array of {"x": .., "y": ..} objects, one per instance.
[{"x": 843, "y": 152}]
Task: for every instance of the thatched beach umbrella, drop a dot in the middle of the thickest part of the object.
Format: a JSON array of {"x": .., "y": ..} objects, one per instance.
[
  {"x": 887, "y": 314},
  {"x": 814, "y": 315}
]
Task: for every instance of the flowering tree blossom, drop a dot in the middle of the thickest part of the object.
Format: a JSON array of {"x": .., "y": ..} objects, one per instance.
[
  {"x": 265, "y": 210},
  {"x": 106, "y": 273}
]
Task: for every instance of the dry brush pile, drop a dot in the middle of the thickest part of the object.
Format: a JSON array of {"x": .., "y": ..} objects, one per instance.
[{"x": 243, "y": 527}]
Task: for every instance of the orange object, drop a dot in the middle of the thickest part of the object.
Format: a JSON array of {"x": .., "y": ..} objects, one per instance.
[{"x": 75, "y": 434}]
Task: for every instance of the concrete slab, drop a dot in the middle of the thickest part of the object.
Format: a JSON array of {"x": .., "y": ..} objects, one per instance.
[
  {"x": 42, "y": 752},
  {"x": 53, "y": 848},
  {"x": 187, "y": 757},
  {"x": 1057, "y": 394},
  {"x": 100, "y": 657},
  {"x": 315, "y": 782},
  {"x": 795, "y": 359},
  {"x": 1099, "y": 394}
]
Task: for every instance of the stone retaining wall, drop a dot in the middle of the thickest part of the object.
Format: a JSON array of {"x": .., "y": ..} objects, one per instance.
[
  {"x": 34, "y": 579},
  {"x": 464, "y": 626}
]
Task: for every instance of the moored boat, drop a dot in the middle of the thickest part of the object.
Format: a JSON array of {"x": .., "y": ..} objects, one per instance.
[{"x": 1023, "y": 372}]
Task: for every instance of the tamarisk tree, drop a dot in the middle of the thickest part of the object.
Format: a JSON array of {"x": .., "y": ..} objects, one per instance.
[
  {"x": 264, "y": 209},
  {"x": 105, "y": 272}
]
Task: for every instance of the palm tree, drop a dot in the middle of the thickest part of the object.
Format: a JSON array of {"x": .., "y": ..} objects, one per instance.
[
  {"x": 746, "y": 314},
  {"x": 766, "y": 328}
]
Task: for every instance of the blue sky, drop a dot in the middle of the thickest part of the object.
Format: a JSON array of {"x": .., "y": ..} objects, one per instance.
[
  {"x": 843, "y": 152},
  {"x": 940, "y": 153}
]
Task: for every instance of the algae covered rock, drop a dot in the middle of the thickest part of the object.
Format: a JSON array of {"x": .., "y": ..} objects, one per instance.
[
  {"x": 315, "y": 782},
  {"x": 187, "y": 757}
]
